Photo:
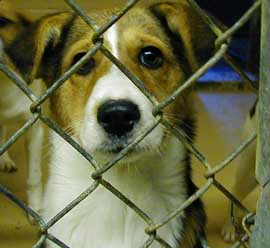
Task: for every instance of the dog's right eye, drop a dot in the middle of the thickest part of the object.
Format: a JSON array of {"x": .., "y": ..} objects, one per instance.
[
  {"x": 151, "y": 57},
  {"x": 86, "y": 67}
]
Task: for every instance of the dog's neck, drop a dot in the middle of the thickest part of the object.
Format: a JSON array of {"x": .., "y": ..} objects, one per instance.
[
  {"x": 156, "y": 185},
  {"x": 163, "y": 166}
]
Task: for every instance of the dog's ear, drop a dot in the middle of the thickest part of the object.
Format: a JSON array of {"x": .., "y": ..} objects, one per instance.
[
  {"x": 7, "y": 14},
  {"x": 12, "y": 22},
  {"x": 35, "y": 49},
  {"x": 186, "y": 27}
]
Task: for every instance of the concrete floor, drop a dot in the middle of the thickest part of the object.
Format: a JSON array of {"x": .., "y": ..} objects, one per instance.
[{"x": 220, "y": 116}]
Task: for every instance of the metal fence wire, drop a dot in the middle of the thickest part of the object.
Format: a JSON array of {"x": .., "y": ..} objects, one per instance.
[{"x": 222, "y": 43}]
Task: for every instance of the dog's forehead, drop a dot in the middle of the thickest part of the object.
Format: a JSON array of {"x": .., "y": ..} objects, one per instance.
[
  {"x": 138, "y": 20},
  {"x": 143, "y": 20}
]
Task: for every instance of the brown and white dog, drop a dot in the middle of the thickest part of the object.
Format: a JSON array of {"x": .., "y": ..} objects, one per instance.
[
  {"x": 14, "y": 109},
  {"x": 245, "y": 181},
  {"x": 160, "y": 42}
]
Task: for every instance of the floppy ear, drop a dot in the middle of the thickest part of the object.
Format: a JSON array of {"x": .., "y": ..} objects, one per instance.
[
  {"x": 44, "y": 37},
  {"x": 184, "y": 26},
  {"x": 12, "y": 22},
  {"x": 7, "y": 13}
]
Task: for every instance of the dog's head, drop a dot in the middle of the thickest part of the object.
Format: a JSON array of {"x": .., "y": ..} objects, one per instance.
[{"x": 161, "y": 43}]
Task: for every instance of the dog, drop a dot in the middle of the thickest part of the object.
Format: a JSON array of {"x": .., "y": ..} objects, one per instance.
[
  {"x": 15, "y": 108},
  {"x": 245, "y": 181},
  {"x": 162, "y": 42}
]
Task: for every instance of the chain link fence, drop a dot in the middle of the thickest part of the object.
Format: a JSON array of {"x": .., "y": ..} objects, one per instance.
[{"x": 222, "y": 43}]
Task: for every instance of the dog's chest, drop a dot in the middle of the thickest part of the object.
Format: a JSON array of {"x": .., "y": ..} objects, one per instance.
[{"x": 104, "y": 221}]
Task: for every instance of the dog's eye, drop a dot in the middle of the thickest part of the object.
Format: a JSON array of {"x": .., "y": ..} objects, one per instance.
[
  {"x": 151, "y": 57},
  {"x": 86, "y": 67}
]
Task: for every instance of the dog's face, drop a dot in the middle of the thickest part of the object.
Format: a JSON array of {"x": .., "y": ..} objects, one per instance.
[{"x": 160, "y": 43}]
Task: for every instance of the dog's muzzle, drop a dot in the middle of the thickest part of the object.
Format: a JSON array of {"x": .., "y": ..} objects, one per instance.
[{"x": 118, "y": 117}]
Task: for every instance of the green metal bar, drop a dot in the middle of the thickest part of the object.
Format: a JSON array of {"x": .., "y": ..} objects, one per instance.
[
  {"x": 149, "y": 241},
  {"x": 187, "y": 143},
  {"x": 66, "y": 75},
  {"x": 180, "y": 209},
  {"x": 17, "y": 80},
  {"x": 114, "y": 18},
  {"x": 207, "y": 19},
  {"x": 261, "y": 232},
  {"x": 19, "y": 133},
  {"x": 40, "y": 242},
  {"x": 71, "y": 205},
  {"x": 22, "y": 205},
  {"x": 53, "y": 126},
  {"x": 231, "y": 157},
  {"x": 127, "y": 149},
  {"x": 134, "y": 78},
  {"x": 239, "y": 24},
  {"x": 194, "y": 78},
  {"x": 57, "y": 241},
  {"x": 231, "y": 197},
  {"x": 83, "y": 14},
  {"x": 127, "y": 201},
  {"x": 237, "y": 68}
]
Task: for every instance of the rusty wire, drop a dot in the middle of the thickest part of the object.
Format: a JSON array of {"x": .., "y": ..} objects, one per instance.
[{"x": 222, "y": 42}]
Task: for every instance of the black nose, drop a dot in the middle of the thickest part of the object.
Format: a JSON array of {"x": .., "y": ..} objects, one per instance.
[{"x": 118, "y": 117}]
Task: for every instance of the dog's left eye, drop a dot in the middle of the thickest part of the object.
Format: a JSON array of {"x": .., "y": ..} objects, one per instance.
[
  {"x": 151, "y": 57},
  {"x": 86, "y": 67}
]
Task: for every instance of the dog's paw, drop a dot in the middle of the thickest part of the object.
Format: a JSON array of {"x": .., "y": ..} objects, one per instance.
[
  {"x": 7, "y": 165},
  {"x": 229, "y": 232}
]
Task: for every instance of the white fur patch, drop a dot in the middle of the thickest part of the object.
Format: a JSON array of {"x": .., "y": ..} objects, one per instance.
[
  {"x": 156, "y": 185},
  {"x": 112, "y": 36}
]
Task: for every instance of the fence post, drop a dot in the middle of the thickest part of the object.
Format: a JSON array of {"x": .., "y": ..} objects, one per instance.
[{"x": 261, "y": 232}]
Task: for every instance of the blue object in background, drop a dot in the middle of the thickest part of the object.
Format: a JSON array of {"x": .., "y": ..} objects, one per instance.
[{"x": 222, "y": 72}]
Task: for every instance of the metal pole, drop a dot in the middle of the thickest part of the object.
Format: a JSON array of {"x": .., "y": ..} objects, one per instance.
[{"x": 261, "y": 231}]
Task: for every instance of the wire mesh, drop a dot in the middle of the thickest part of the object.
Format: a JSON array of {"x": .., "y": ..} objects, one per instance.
[{"x": 222, "y": 43}]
